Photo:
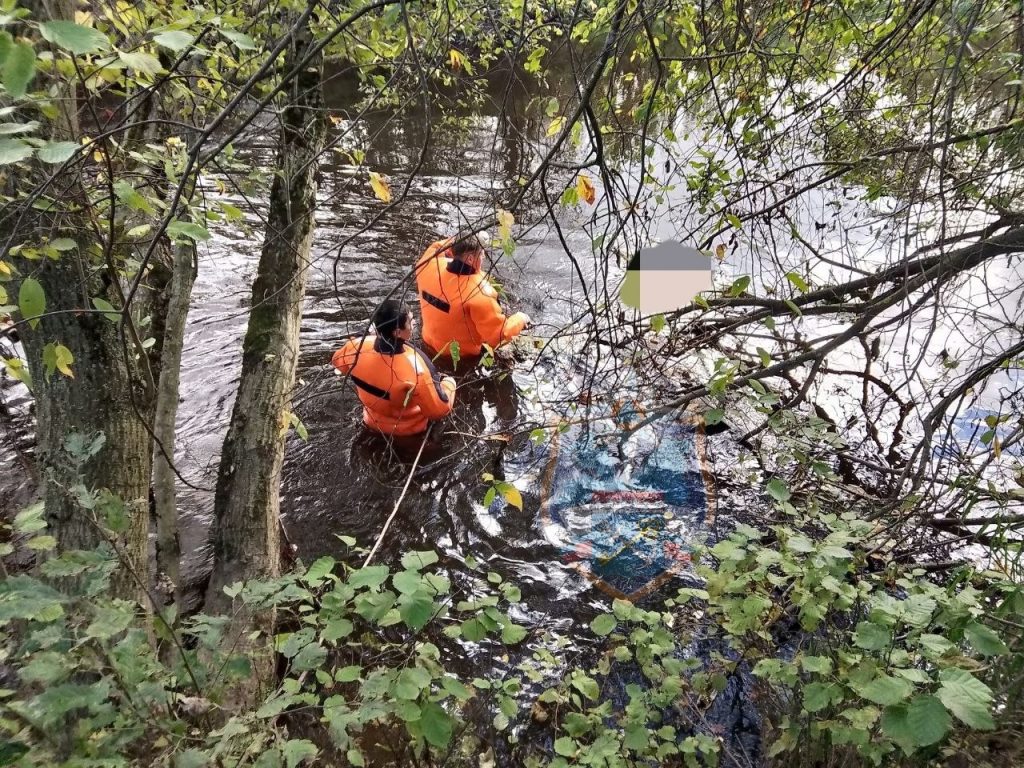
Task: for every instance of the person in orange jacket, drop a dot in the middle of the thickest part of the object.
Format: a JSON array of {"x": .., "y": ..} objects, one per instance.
[
  {"x": 400, "y": 389},
  {"x": 458, "y": 302}
]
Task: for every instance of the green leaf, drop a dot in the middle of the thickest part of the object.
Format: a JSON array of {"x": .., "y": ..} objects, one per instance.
[
  {"x": 31, "y": 300},
  {"x": 242, "y": 41},
  {"x": 555, "y": 125},
  {"x": 935, "y": 645},
  {"x": 817, "y": 696},
  {"x": 131, "y": 197},
  {"x": 270, "y": 758},
  {"x": 175, "y": 40},
  {"x": 967, "y": 698},
  {"x": 192, "y": 758},
  {"x": 566, "y": 746},
  {"x": 416, "y": 609},
  {"x": 110, "y": 620},
  {"x": 56, "y": 152},
  {"x": 414, "y": 561},
  {"x": 105, "y": 306},
  {"x": 311, "y": 656},
  {"x": 177, "y": 230},
  {"x": 336, "y": 629},
  {"x": 587, "y": 686},
  {"x": 407, "y": 582},
  {"x": 799, "y": 282},
  {"x": 714, "y": 416},
  {"x": 348, "y": 674},
  {"x": 146, "y": 63},
  {"x": 576, "y": 724},
  {"x": 436, "y": 724},
  {"x": 819, "y": 664},
  {"x": 636, "y": 738},
  {"x": 41, "y": 543},
  {"x": 63, "y": 244},
  {"x": 734, "y": 220},
  {"x": 657, "y": 323},
  {"x": 296, "y": 751},
  {"x": 928, "y": 720},
  {"x": 871, "y": 636},
  {"x": 885, "y": 690},
  {"x": 18, "y": 70},
  {"x": 778, "y": 490},
  {"x": 13, "y": 151},
  {"x": 473, "y": 630},
  {"x": 370, "y": 576},
  {"x": 739, "y": 286},
  {"x": 985, "y": 641},
  {"x": 12, "y": 751},
  {"x": 603, "y": 625},
  {"x": 58, "y": 357},
  {"x": 512, "y": 634},
  {"x": 74, "y": 37},
  {"x": 319, "y": 570},
  {"x": 9, "y": 129}
]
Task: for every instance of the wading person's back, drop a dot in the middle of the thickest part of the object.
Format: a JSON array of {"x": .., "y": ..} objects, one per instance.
[
  {"x": 458, "y": 302},
  {"x": 399, "y": 388}
]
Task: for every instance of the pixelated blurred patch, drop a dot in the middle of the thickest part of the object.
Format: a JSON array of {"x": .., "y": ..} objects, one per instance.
[{"x": 665, "y": 278}]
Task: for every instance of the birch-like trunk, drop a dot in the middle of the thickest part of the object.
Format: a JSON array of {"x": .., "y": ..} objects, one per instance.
[{"x": 179, "y": 294}]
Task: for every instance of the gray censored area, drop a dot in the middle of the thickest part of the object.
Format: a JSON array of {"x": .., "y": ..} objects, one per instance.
[{"x": 670, "y": 256}]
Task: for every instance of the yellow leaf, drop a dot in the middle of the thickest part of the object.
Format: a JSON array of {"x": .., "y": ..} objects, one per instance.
[
  {"x": 720, "y": 251},
  {"x": 512, "y": 496},
  {"x": 455, "y": 58},
  {"x": 5, "y": 267},
  {"x": 64, "y": 359},
  {"x": 505, "y": 222},
  {"x": 335, "y": 120},
  {"x": 585, "y": 189},
  {"x": 380, "y": 187},
  {"x": 556, "y": 125}
]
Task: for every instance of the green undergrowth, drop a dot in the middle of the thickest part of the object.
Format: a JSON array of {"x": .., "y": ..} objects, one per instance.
[{"x": 410, "y": 665}]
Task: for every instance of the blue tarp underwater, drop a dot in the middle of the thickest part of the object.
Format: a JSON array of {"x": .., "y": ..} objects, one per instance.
[{"x": 626, "y": 512}]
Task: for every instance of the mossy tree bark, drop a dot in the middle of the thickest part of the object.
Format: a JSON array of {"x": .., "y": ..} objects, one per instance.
[
  {"x": 110, "y": 391},
  {"x": 246, "y": 535}
]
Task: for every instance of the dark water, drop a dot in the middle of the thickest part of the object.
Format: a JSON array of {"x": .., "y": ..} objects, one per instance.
[{"x": 343, "y": 481}]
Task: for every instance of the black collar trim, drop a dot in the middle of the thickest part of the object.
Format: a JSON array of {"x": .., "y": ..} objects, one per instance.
[
  {"x": 388, "y": 346},
  {"x": 461, "y": 268}
]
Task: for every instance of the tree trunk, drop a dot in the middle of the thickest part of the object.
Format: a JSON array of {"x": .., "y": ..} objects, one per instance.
[
  {"x": 246, "y": 537},
  {"x": 103, "y": 397},
  {"x": 168, "y": 549},
  {"x": 106, "y": 393}
]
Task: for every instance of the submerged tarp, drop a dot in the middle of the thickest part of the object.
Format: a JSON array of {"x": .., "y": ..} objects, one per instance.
[{"x": 625, "y": 506}]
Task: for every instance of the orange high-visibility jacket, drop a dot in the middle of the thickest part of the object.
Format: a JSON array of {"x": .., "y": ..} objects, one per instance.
[
  {"x": 398, "y": 386},
  {"x": 460, "y": 305}
]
